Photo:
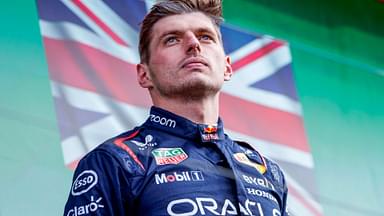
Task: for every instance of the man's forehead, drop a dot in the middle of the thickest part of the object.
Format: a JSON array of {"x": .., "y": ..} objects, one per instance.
[{"x": 181, "y": 22}]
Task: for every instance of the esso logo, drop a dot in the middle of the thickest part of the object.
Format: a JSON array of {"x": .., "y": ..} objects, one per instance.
[{"x": 84, "y": 182}]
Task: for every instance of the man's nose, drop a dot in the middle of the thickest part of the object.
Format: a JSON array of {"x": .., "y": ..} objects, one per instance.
[{"x": 192, "y": 43}]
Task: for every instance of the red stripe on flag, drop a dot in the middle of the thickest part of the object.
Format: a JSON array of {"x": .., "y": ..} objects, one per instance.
[
  {"x": 263, "y": 122},
  {"x": 303, "y": 201},
  {"x": 257, "y": 54},
  {"x": 84, "y": 67},
  {"x": 99, "y": 22}
]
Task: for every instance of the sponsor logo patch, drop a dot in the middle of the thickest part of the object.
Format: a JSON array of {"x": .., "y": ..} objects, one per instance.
[
  {"x": 209, "y": 133},
  {"x": 84, "y": 182},
  {"x": 263, "y": 182},
  {"x": 148, "y": 142},
  {"x": 87, "y": 209},
  {"x": 183, "y": 176},
  {"x": 209, "y": 137},
  {"x": 164, "y": 156},
  {"x": 242, "y": 158},
  {"x": 210, "y": 129},
  {"x": 261, "y": 193},
  {"x": 211, "y": 206},
  {"x": 163, "y": 121}
]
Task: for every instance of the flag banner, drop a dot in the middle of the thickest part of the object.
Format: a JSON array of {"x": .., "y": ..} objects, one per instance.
[{"x": 91, "y": 50}]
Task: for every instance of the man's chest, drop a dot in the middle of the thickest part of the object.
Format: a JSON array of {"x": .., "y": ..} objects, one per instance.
[{"x": 204, "y": 181}]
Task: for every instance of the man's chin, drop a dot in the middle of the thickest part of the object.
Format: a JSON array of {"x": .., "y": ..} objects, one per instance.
[{"x": 198, "y": 89}]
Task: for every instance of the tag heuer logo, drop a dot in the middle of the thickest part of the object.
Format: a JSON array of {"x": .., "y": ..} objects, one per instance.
[{"x": 166, "y": 156}]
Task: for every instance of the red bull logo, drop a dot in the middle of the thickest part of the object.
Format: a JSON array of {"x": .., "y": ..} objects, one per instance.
[{"x": 210, "y": 129}]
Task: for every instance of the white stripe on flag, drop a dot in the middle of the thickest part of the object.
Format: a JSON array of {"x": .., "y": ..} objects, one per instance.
[
  {"x": 258, "y": 70},
  {"x": 73, "y": 7},
  {"x": 114, "y": 22},
  {"x": 149, "y": 3},
  {"x": 72, "y": 32},
  {"x": 73, "y": 149},
  {"x": 91, "y": 101},
  {"x": 249, "y": 48}
]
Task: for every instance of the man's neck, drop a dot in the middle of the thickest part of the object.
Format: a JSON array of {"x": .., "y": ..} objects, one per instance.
[{"x": 205, "y": 111}]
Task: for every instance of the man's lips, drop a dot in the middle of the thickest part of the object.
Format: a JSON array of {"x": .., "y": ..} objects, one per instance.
[{"x": 191, "y": 62}]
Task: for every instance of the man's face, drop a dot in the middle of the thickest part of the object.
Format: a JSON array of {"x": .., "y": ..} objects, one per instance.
[{"x": 186, "y": 57}]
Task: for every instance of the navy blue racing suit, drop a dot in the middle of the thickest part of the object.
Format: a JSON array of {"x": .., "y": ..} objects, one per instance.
[{"x": 172, "y": 166}]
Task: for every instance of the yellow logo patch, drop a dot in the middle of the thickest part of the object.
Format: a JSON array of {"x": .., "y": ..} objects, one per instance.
[{"x": 242, "y": 158}]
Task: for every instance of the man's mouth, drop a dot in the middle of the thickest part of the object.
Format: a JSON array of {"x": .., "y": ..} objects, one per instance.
[{"x": 194, "y": 62}]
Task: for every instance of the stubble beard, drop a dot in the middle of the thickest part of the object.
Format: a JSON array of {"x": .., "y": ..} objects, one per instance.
[{"x": 194, "y": 89}]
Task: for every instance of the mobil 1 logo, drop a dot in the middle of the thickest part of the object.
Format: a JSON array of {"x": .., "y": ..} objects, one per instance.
[{"x": 181, "y": 176}]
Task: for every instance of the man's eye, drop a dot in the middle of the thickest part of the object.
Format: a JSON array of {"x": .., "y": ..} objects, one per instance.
[
  {"x": 170, "y": 40},
  {"x": 205, "y": 37}
]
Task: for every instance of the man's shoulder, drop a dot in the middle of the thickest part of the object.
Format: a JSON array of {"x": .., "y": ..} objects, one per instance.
[
  {"x": 119, "y": 151},
  {"x": 111, "y": 146}
]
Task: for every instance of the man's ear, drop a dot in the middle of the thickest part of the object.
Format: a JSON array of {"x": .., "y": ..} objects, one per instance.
[
  {"x": 228, "y": 69},
  {"x": 143, "y": 76}
]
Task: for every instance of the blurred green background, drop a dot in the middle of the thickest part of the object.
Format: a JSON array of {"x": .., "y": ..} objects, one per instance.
[
  {"x": 338, "y": 62},
  {"x": 33, "y": 179}
]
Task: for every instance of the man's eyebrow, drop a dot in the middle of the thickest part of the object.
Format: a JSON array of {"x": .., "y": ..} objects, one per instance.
[
  {"x": 170, "y": 32},
  {"x": 212, "y": 32},
  {"x": 178, "y": 32},
  {"x": 202, "y": 30}
]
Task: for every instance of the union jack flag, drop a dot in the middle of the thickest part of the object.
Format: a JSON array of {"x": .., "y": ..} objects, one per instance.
[{"x": 91, "y": 50}]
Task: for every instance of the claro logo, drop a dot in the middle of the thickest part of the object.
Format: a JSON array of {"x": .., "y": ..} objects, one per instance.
[
  {"x": 87, "y": 209},
  {"x": 84, "y": 182},
  {"x": 163, "y": 121}
]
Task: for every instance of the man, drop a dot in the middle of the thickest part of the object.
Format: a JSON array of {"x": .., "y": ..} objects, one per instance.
[{"x": 179, "y": 162}]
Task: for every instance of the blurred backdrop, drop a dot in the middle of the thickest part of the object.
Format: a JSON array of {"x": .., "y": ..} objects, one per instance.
[{"x": 334, "y": 53}]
